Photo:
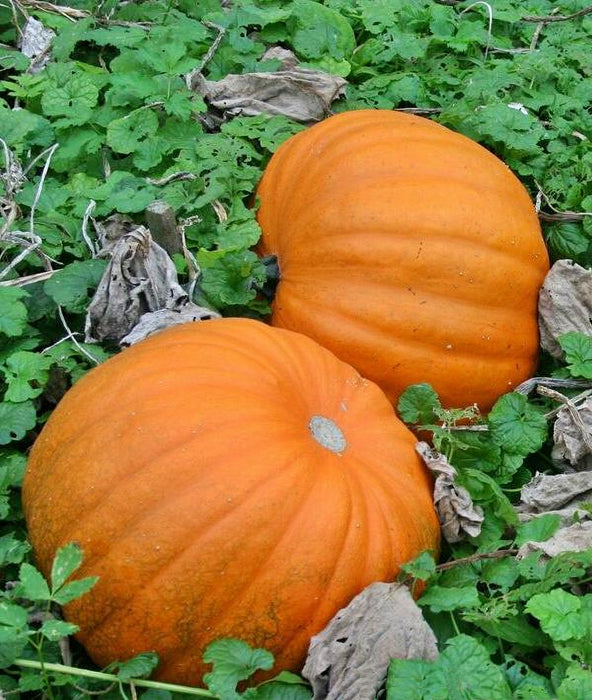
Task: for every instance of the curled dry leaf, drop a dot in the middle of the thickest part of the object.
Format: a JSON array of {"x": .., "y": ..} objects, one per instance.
[
  {"x": 302, "y": 94},
  {"x": 574, "y": 538},
  {"x": 565, "y": 304},
  {"x": 35, "y": 43},
  {"x": 349, "y": 659},
  {"x": 562, "y": 494},
  {"x": 458, "y": 515},
  {"x": 155, "y": 321},
  {"x": 572, "y": 435},
  {"x": 139, "y": 279}
]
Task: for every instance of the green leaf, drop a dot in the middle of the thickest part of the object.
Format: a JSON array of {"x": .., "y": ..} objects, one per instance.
[
  {"x": 13, "y": 313},
  {"x": 139, "y": 666},
  {"x": 558, "y": 613},
  {"x": 463, "y": 671},
  {"x": 230, "y": 278},
  {"x": 13, "y": 632},
  {"x": 422, "y": 567},
  {"x": 75, "y": 99},
  {"x": 320, "y": 31},
  {"x": 65, "y": 563},
  {"x": 578, "y": 353},
  {"x": 16, "y": 419},
  {"x": 33, "y": 585},
  {"x": 54, "y": 630},
  {"x": 439, "y": 598},
  {"x": 538, "y": 529},
  {"x": 233, "y": 661},
  {"x": 516, "y": 425},
  {"x": 516, "y": 630},
  {"x": 12, "y": 550},
  {"x": 577, "y": 684},
  {"x": 419, "y": 404},
  {"x": 70, "y": 286},
  {"x": 124, "y": 135},
  {"x": 74, "y": 589},
  {"x": 26, "y": 374}
]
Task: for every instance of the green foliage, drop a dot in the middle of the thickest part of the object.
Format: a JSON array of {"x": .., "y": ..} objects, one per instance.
[
  {"x": 115, "y": 99},
  {"x": 234, "y": 661}
]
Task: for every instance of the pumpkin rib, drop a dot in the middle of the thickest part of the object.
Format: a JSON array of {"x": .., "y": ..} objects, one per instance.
[
  {"x": 177, "y": 557},
  {"x": 337, "y": 552},
  {"x": 347, "y": 315}
]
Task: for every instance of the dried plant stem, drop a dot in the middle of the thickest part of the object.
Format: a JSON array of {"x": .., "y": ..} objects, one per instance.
[{"x": 473, "y": 558}]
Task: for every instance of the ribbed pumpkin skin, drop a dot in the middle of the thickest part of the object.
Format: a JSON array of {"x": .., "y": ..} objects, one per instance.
[
  {"x": 186, "y": 470},
  {"x": 410, "y": 251}
]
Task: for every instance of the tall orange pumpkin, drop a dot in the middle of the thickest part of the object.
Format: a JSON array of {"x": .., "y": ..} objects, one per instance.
[
  {"x": 224, "y": 479},
  {"x": 409, "y": 250}
]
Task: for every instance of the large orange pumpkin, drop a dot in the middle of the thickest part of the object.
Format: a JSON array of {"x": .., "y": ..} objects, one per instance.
[
  {"x": 407, "y": 249},
  {"x": 224, "y": 479}
]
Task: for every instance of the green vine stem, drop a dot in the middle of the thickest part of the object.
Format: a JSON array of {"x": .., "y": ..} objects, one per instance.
[{"x": 111, "y": 678}]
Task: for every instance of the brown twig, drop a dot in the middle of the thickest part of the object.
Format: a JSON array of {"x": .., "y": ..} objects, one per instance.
[
  {"x": 473, "y": 558},
  {"x": 558, "y": 18}
]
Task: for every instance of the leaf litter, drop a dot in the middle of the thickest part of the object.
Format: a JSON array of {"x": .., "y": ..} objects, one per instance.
[
  {"x": 349, "y": 659},
  {"x": 139, "y": 293}
]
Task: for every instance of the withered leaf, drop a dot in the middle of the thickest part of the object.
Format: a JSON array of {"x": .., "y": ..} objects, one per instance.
[
  {"x": 565, "y": 304},
  {"x": 302, "y": 94},
  {"x": 573, "y": 538},
  {"x": 155, "y": 321},
  {"x": 572, "y": 435},
  {"x": 35, "y": 43},
  {"x": 349, "y": 659},
  {"x": 140, "y": 278},
  {"x": 561, "y": 494},
  {"x": 457, "y": 513}
]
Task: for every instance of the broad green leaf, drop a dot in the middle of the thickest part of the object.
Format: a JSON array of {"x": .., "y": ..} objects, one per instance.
[
  {"x": 125, "y": 134},
  {"x": 558, "y": 613},
  {"x": 13, "y": 312},
  {"x": 422, "y": 567},
  {"x": 439, "y": 598},
  {"x": 139, "y": 666},
  {"x": 538, "y": 529},
  {"x": 578, "y": 353},
  {"x": 74, "y": 100},
  {"x": 463, "y": 671},
  {"x": 233, "y": 661},
  {"x": 418, "y": 404},
  {"x": 26, "y": 374},
  {"x": 16, "y": 419},
  {"x": 69, "y": 287},
  {"x": 516, "y": 425},
  {"x": 320, "y": 31},
  {"x": 577, "y": 684}
]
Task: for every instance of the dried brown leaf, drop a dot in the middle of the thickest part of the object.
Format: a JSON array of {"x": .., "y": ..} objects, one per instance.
[
  {"x": 302, "y": 94},
  {"x": 155, "y": 321},
  {"x": 565, "y": 304},
  {"x": 561, "y": 494},
  {"x": 349, "y": 659},
  {"x": 139, "y": 279},
  {"x": 574, "y": 538},
  {"x": 572, "y": 435},
  {"x": 457, "y": 513}
]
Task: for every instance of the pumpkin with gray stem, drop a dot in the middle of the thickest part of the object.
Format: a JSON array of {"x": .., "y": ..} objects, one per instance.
[{"x": 224, "y": 479}]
